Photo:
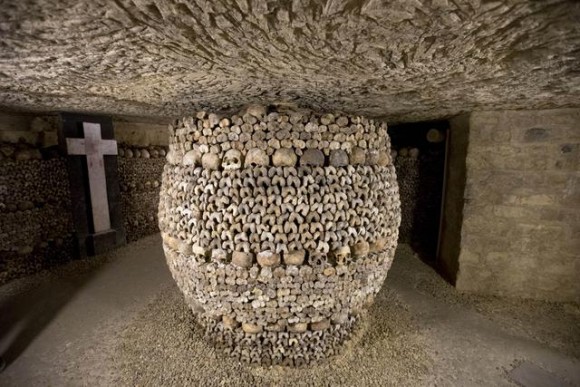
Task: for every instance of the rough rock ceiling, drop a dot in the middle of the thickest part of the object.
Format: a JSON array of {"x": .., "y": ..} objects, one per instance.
[{"x": 403, "y": 60}]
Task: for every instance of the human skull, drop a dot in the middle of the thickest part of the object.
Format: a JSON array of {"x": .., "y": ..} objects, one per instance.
[
  {"x": 317, "y": 260},
  {"x": 255, "y": 110},
  {"x": 192, "y": 157},
  {"x": 256, "y": 157},
  {"x": 338, "y": 158},
  {"x": 284, "y": 157},
  {"x": 414, "y": 153},
  {"x": 198, "y": 250},
  {"x": 341, "y": 255},
  {"x": 210, "y": 161},
  {"x": 372, "y": 157},
  {"x": 268, "y": 258},
  {"x": 357, "y": 156},
  {"x": 378, "y": 245},
  {"x": 313, "y": 158},
  {"x": 361, "y": 249},
  {"x": 232, "y": 159},
  {"x": 384, "y": 158},
  {"x": 242, "y": 259},
  {"x": 294, "y": 257},
  {"x": 173, "y": 157},
  {"x": 184, "y": 248},
  {"x": 219, "y": 255}
]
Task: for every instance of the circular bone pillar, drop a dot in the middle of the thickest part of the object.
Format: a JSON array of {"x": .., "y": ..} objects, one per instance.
[{"x": 278, "y": 254}]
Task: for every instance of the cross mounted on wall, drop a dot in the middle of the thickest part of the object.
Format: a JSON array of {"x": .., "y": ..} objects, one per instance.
[
  {"x": 94, "y": 182},
  {"x": 94, "y": 148}
]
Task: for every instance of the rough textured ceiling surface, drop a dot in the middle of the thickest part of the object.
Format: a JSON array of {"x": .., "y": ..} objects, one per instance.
[{"x": 402, "y": 60}]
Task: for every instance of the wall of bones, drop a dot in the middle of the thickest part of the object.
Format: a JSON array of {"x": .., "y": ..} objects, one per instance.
[
  {"x": 420, "y": 177},
  {"x": 36, "y": 226},
  {"x": 279, "y": 227},
  {"x": 36, "y": 229},
  {"x": 408, "y": 176},
  {"x": 140, "y": 169}
]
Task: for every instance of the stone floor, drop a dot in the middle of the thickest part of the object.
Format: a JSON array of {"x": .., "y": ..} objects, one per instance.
[{"x": 118, "y": 320}]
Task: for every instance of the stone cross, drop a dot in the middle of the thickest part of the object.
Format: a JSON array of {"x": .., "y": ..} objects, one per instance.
[{"x": 94, "y": 148}]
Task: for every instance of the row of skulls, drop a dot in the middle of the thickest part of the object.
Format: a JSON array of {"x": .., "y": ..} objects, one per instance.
[{"x": 283, "y": 157}]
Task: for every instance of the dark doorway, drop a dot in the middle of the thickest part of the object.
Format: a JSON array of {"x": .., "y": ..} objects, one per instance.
[{"x": 420, "y": 163}]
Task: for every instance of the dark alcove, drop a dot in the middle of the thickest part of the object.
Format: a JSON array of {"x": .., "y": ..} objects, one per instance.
[{"x": 419, "y": 150}]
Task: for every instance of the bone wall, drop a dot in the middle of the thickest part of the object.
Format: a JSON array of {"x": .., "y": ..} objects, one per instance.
[
  {"x": 279, "y": 227},
  {"x": 36, "y": 229},
  {"x": 140, "y": 170},
  {"x": 408, "y": 176}
]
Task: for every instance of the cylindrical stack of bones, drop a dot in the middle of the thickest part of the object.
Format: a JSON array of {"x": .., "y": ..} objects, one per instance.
[{"x": 279, "y": 227}]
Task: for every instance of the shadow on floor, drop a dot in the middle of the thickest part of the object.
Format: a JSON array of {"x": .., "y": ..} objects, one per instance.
[{"x": 24, "y": 315}]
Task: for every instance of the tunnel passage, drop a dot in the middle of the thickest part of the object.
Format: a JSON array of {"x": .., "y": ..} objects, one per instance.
[{"x": 418, "y": 151}]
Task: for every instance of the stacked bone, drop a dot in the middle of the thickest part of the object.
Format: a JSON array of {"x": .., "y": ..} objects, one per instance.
[
  {"x": 408, "y": 172},
  {"x": 279, "y": 227},
  {"x": 420, "y": 178},
  {"x": 140, "y": 170},
  {"x": 36, "y": 229}
]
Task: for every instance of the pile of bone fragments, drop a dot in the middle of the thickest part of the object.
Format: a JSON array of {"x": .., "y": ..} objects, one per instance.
[{"x": 279, "y": 227}]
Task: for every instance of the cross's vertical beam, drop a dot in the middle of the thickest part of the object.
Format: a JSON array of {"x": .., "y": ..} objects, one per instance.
[{"x": 97, "y": 178}]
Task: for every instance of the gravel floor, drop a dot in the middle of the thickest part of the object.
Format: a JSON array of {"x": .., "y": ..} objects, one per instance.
[
  {"x": 127, "y": 325},
  {"x": 163, "y": 346},
  {"x": 555, "y": 324}
]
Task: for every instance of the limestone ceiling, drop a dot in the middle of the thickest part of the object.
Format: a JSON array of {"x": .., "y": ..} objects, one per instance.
[{"x": 400, "y": 59}]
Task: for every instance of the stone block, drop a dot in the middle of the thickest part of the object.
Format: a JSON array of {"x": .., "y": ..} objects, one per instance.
[
  {"x": 543, "y": 126},
  {"x": 537, "y": 134},
  {"x": 515, "y": 212},
  {"x": 571, "y": 246},
  {"x": 476, "y": 244},
  {"x": 486, "y": 128},
  {"x": 510, "y": 157},
  {"x": 531, "y": 199}
]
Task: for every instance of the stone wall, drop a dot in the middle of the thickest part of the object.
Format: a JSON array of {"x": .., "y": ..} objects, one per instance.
[{"x": 521, "y": 217}]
